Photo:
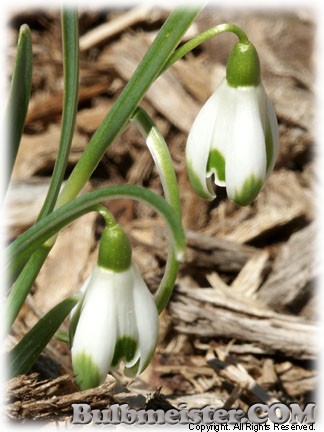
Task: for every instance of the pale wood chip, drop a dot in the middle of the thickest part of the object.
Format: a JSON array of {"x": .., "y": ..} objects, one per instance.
[{"x": 295, "y": 267}]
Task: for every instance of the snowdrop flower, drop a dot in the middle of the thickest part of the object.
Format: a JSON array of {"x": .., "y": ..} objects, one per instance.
[
  {"x": 235, "y": 137},
  {"x": 116, "y": 320}
]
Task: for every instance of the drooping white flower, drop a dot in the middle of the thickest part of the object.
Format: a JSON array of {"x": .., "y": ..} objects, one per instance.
[
  {"x": 116, "y": 320},
  {"x": 234, "y": 139}
]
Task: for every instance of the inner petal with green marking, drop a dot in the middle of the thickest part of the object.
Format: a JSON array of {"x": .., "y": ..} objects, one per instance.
[
  {"x": 196, "y": 183},
  {"x": 216, "y": 162},
  {"x": 125, "y": 349}
]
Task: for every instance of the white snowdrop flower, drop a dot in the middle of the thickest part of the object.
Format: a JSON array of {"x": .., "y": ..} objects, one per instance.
[
  {"x": 116, "y": 320},
  {"x": 234, "y": 140}
]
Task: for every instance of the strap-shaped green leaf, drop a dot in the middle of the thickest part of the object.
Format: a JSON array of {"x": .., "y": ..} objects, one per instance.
[
  {"x": 25, "y": 353},
  {"x": 19, "y": 94},
  {"x": 70, "y": 39}
]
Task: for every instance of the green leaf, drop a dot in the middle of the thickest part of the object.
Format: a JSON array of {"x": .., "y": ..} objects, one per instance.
[
  {"x": 19, "y": 94},
  {"x": 70, "y": 38},
  {"x": 148, "y": 70},
  {"x": 20, "y": 289},
  {"x": 25, "y": 353}
]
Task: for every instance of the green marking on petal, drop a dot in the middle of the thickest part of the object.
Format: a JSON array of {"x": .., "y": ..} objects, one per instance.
[
  {"x": 125, "y": 349},
  {"x": 269, "y": 146},
  {"x": 86, "y": 371},
  {"x": 196, "y": 184},
  {"x": 216, "y": 161},
  {"x": 249, "y": 191}
]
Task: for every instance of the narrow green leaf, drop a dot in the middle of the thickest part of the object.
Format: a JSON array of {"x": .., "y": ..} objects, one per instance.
[
  {"x": 25, "y": 353},
  {"x": 70, "y": 38},
  {"x": 19, "y": 94},
  {"x": 20, "y": 289},
  {"x": 148, "y": 70}
]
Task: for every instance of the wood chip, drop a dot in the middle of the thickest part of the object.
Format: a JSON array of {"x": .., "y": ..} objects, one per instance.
[
  {"x": 44, "y": 106},
  {"x": 214, "y": 253},
  {"x": 88, "y": 120},
  {"x": 166, "y": 94},
  {"x": 250, "y": 277},
  {"x": 295, "y": 267},
  {"x": 219, "y": 317},
  {"x": 234, "y": 372},
  {"x": 282, "y": 191},
  {"x": 38, "y": 153},
  {"x": 23, "y": 203},
  {"x": 105, "y": 31}
]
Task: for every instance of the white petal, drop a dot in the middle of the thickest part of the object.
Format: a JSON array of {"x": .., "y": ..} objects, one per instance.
[
  {"x": 225, "y": 98},
  {"x": 96, "y": 330},
  {"x": 199, "y": 142},
  {"x": 246, "y": 153},
  {"x": 81, "y": 292},
  {"x": 147, "y": 320},
  {"x": 273, "y": 123}
]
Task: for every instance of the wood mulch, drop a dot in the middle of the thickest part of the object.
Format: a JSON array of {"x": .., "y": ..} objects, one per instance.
[{"x": 241, "y": 325}]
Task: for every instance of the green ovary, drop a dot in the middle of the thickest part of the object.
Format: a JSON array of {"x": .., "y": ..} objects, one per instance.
[
  {"x": 216, "y": 162},
  {"x": 249, "y": 191},
  {"x": 125, "y": 349},
  {"x": 86, "y": 371}
]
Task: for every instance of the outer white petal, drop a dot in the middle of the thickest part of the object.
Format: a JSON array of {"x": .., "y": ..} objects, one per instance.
[
  {"x": 81, "y": 292},
  {"x": 199, "y": 142},
  {"x": 147, "y": 321},
  {"x": 225, "y": 98},
  {"x": 271, "y": 119},
  {"x": 96, "y": 330},
  {"x": 246, "y": 153}
]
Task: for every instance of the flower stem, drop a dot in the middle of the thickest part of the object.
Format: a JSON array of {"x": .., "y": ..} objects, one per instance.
[
  {"x": 106, "y": 214},
  {"x": 161, "y": 156},
  {"x": 28, "y": 242},
  {"x": 203, "y": 37}
]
